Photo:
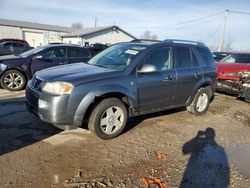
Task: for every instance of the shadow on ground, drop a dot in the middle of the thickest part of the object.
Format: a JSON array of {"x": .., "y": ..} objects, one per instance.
[
  {"x": 208, "y": 164},
  {"x": 19, "y": 128}
]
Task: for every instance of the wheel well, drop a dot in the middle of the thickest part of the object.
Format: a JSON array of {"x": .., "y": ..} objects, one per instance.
[
  {"x": 207, "y": 85},
  {"x": 98, "y": 99},
  {"x": 204, "y": 85}
]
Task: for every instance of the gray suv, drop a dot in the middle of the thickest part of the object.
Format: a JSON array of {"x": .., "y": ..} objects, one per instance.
[{"x": 125, "y": 80}]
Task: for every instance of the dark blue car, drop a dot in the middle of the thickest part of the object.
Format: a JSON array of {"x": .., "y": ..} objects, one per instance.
[{"x": 16, "y": 70}]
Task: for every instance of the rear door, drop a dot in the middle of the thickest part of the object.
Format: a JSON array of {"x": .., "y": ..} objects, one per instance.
[
  {"x": 49, "y": 58},
  {"x": 189, "y": 73},
  {"x": 156, "y": 89},
  {"x": 78, "y": 54}
]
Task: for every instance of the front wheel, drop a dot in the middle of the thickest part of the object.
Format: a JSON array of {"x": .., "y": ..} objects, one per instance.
[
  {"x": 200, "y": 103},
  {"x": 13, "y": 80},
  {"x": 108, "y": 119}
]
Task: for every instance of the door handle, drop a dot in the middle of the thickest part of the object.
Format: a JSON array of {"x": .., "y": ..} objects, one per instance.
[
  {"x": 62, "y": 63},
  {"x": 168, "y": 78}
]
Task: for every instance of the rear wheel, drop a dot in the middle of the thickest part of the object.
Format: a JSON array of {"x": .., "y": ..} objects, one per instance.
[
  {"x": 108, "y": 119},
  {"x": 13, "y": 80},
  {"x": 200, "y": 103}
]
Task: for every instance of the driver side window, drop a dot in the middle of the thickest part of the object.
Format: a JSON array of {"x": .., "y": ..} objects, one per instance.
[
  {"x": 160, "y": 58},
  {"x": 56, "y": 53}
]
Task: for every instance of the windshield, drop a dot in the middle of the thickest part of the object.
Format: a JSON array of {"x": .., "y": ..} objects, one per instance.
[
  {"x": 117, "y": 57},
  {"x": 237, "y": 58},
  {"x": 31, "y": 52}
]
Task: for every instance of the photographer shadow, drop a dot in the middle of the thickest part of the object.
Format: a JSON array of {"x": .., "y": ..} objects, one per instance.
[{"x": 208, "y": 163}]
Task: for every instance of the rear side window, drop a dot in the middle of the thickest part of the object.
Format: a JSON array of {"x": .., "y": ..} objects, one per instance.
[
  {"x": 7, "y": 44},
  {"x": 206, "y": 56},
  {"x": 78, "y": 53},
  {"x": 242, "y": 58},
  {"x": 194, "y": 60},
  {"x": 18, "y": 45},
  {"x": 184, "y": 57}
]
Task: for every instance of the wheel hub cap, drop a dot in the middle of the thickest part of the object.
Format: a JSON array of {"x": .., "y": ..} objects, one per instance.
[
  {"x": 112, "y": 120},
  {"x": 202, "y": 102},
  {"x": 13, "y": 80}
]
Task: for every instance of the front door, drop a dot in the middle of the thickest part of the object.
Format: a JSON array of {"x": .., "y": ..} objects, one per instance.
[
  {"x": 49, "y": 58},
  {"x": 156, "y": 88}
]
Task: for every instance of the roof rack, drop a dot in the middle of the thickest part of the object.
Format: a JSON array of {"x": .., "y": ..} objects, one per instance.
[
  {"x": 179, "y": 41},
  {"x": 145, "y": 40}
]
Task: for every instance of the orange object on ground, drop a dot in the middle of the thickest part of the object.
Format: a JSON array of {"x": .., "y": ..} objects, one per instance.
[
  {"x": 160, "y": 157},
  {"x": 147, "y": 182}
]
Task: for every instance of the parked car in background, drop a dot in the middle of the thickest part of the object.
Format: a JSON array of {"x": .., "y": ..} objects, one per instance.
[
  {"x": 14, "y": 40},
  {"x": 125, "y": 80},
  {"x": 13, "y": 46},
  {"x": 230, "y": 71},
  {"x": 220, "y": 55},
  {"x": 97, "y": 48},
  {"x": 16, "y": 70}
]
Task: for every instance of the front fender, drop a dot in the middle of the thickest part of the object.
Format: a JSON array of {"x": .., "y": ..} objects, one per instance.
[{"x": 103, "y": 90}]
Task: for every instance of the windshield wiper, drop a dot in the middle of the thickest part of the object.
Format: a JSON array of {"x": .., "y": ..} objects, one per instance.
[{"x": 98, "y": 65}]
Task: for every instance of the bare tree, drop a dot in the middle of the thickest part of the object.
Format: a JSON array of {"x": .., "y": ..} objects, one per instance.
[
  {"x": 148, "y": 35},
  {"x": 213, "y": 47},
  {"x": 228, "y": 46},
  {"x": 76, "y": 25}
]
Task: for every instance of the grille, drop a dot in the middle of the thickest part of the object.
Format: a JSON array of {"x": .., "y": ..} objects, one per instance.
[{"x": 35, "y": 83}]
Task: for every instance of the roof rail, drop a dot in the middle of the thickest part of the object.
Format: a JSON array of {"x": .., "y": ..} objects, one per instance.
[
  {"x": 145, "y": 40},
  {"x": 179, "y": 41}
]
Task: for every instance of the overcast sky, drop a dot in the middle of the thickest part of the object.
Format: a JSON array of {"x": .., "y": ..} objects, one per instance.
[{"x": 162, "y": 17}]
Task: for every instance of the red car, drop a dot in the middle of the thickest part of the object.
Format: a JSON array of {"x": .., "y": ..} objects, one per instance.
[{"x": 231, "y": 70}]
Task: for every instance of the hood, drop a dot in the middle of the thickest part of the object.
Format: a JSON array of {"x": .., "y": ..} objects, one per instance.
[
  {"x": 77, "y": 73},
  {"x": 233, "y": 67},
  {"x": 12, "y": 60},
  {"x": 10, "y": 57}
]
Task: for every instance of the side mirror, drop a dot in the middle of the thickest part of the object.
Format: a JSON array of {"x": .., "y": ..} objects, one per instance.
[
  {"x": 37, "y": 57},
  {"x": 147, "y": 69}
]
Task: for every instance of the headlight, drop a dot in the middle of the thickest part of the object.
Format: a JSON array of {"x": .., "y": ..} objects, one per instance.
[
  {"x": 3, "y": 66},
  {"x": 57, "y": 88}
]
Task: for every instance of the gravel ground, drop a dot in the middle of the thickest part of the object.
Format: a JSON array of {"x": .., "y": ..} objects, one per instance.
[{"x": 167, "y": 149}]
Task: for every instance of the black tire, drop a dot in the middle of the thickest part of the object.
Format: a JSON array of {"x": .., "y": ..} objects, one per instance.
[
  {"x": 100, "y": 113},
  {"x": 194, "y": 107},
  {"x": 15, "y": 77}
]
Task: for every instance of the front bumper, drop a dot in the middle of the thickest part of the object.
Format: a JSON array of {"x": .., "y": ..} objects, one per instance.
[{"x": 49, "y": 108}]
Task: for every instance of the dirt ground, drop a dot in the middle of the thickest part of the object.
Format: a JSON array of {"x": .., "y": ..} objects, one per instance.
[{"x": 159, "y": 150}]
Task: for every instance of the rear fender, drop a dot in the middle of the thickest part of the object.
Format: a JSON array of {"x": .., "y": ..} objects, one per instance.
[{"x": 202, "y": 83}]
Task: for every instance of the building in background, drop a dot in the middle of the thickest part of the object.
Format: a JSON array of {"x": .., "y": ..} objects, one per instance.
[
  {"x": 34, "y": 33},
  {"x": 37, "y": 34},
  {"x": 104, "y": 35}
]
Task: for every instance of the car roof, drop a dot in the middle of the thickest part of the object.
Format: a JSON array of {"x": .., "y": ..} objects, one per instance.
[
  {"x": 12, "y": 40},
  {"x": 243, "y": 53},
  {"x": 60, "y": 45},
  {"x": 167, "y": 41}
]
